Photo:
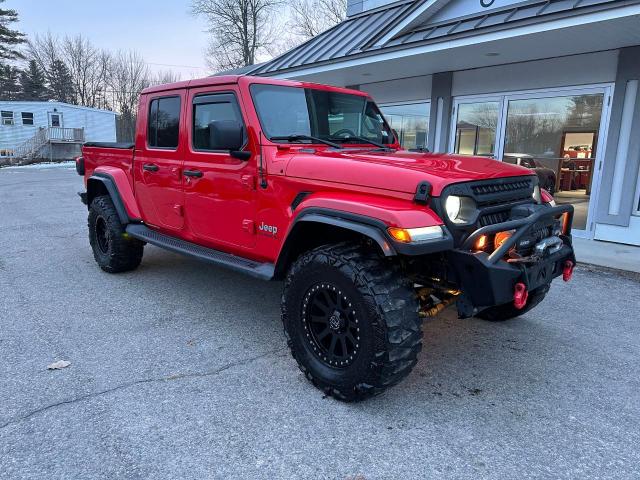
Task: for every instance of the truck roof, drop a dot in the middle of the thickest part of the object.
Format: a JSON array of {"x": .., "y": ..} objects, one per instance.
[{"x": 246, "y": 79}]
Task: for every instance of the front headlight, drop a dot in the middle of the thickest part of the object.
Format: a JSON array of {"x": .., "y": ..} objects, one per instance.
[
  {"x": 460, "y": 209},
  {"x": 452, "y": 206},
  {"x": 414, "y": 235}
]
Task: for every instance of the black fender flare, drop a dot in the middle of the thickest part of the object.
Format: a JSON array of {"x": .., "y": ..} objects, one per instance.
[
  {"x": 363, "y": 225},
  {"x": 110, "y": 185},
  {"x": 367, "y": 226}
]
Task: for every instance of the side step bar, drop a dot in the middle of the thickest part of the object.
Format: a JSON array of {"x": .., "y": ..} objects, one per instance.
[{"x": 263, "y": 271}]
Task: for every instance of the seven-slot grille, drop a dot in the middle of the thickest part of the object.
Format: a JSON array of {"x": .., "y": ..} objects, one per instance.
[{"x": 480, "y": 190}]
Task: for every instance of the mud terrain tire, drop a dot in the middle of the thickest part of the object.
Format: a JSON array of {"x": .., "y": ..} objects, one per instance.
[
  {"x": 113, "y": 249},
  {"x": 381, "y": 315}
]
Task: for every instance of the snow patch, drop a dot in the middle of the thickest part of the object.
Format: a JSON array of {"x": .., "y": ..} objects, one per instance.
[{"x": 41, "y": 166}]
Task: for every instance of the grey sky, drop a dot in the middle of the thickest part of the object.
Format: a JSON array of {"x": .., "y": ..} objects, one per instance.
[{"x": 163, "y": 31}]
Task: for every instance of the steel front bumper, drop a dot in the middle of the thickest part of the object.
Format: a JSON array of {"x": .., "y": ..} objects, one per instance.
[{"x": 488, "y": 279}]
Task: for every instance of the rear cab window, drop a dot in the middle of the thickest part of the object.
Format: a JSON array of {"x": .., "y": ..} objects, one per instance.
[{"x": 163, "y": 124}]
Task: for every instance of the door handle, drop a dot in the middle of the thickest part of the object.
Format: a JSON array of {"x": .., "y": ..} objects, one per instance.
[
  {"x": 150, "y": 167},
  {"x": 192, "y": 173}
]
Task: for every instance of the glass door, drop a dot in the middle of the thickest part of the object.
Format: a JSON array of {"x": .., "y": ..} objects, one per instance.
[
  {"x": 558, "y": 137},
  {"x": 560, "y": 134}
]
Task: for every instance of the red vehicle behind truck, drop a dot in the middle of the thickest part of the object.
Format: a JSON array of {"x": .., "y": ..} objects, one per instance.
[{"x": 307, "y": 183}]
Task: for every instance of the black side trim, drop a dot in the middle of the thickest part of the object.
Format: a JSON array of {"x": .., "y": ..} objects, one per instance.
[
  {"x": 298, "y": 199},
  {"x": 83, "y": 197},
  {"x": 110, "y": 184},
  {"x": 263, "y": 271},
  {"x": 120, "y": 145}
]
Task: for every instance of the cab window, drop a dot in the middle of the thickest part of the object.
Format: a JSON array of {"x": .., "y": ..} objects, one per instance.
[
  {"x": 209, "y": 108},
  {"x": 164, "y": 122}
]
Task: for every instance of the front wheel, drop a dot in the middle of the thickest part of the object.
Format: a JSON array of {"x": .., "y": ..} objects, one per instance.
[{"x": 351, "y": 321}]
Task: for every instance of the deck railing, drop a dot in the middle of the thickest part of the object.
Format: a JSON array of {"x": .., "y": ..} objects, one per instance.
[
  {"x": 59, "y": 134},
  {"x": 32, "y": 146}
]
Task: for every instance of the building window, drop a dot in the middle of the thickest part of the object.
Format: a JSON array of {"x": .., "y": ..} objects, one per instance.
[
  {"x": 55, "y": 120},
  {"x": 27, "y": 118},
  {"x": 7, "y": 117},
  {"x": 410, "y": 121},
  {"x": 164, "y": 122},
  {"x": 476, "y": 126}
]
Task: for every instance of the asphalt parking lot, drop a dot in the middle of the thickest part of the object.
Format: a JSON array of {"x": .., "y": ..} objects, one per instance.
[{"x": 180, "y": 370}]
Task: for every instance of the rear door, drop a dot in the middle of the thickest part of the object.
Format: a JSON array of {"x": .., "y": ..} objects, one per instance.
[
  {"x": 219, "y": 189},
  {"x": 158, "y": 160}
]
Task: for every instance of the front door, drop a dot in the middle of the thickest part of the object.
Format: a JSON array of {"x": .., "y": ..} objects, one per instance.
[
  {"x": 219, "y": 189},
  {"x": 55, "y": 119},
  {"x": 158, "y": 162}
]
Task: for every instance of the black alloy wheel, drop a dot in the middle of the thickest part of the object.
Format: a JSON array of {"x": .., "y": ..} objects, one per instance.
[{"x": 331, "y": 325}]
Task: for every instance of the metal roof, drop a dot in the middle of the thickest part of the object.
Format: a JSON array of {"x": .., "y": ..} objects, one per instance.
[
  {"x": 497, "y": 18},
  {"x": 344, "y": 39},
  {"x": 357, "y": 35}
]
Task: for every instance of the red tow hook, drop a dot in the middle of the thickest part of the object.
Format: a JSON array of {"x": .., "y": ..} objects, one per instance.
[
  {"x": 567, "y": 271},
  {"x": 520, "y": 295}
]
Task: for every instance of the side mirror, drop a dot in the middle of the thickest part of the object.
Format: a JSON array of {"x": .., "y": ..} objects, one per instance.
[{"x": 226, "y": 135}]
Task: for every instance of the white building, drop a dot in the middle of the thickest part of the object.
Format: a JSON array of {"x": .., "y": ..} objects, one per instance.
[
  {"x": 548, "y": 83},
  {"x": 53, "y": 130}
]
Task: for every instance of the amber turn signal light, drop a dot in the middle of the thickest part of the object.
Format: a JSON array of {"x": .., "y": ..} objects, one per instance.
[
  {"x": 501, "y": 237},
  {"x": 400, "y": 234},
  {"x": 481, "y": 242}
]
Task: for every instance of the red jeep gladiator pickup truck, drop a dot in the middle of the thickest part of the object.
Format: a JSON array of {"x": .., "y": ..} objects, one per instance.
[{"x": 307, "y": 183}]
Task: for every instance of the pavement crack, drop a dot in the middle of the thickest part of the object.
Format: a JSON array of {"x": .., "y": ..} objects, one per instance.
[{"x": 123, "y": 386}]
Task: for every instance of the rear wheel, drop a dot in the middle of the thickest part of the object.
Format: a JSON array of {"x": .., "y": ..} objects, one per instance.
[
  {"x": 500, "y": 313},
  {"x": 113, "y": 249},
  {"x": 351, "y": 321}
]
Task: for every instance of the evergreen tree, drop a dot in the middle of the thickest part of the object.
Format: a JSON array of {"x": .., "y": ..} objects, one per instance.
[
  {"x": 60, "y": 82},
  {"x": 9, "y": 39},
  {"x": 9, "y": 84},
  {"x": 33, "y": 83}
]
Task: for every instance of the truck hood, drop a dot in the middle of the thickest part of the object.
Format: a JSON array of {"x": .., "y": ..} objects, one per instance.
[{"x": 399, "y": 171}]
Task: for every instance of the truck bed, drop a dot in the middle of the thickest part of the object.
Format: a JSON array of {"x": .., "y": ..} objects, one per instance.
[{"x": 119, "y": 155}]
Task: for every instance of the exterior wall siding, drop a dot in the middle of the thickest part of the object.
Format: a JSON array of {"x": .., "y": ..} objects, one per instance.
[
  {"x": 99, "y": 125},
  {"x": 622, "y": 164},
  {"x": 553, "y": 72},
  {"x": 400, "y": 90}
]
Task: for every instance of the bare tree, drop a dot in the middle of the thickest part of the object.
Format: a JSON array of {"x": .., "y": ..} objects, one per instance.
[
  {"x": 88, "y": 67},
  {"x": 127, "y": 75},
  {"x": 311, "y": 17},
  {"x": 44, "y": 50},
  {"x": 240, "y": 30},
  {"x": 164, "y": 76}
]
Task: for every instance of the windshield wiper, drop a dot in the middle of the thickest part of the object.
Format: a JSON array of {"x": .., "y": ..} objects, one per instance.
[
  {"x": 365, "y": 140},
  {"x": 299, "y": 136}
]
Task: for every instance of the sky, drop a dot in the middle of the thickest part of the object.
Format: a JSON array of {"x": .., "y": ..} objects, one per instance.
[{"x": 163, "y": 31}]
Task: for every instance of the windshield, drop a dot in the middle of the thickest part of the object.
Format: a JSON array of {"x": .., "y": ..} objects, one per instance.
[{"x": 338, "y": 117}]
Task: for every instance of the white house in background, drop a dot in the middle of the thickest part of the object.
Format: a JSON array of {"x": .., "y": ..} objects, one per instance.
[{"x": 53, "y": 130}]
